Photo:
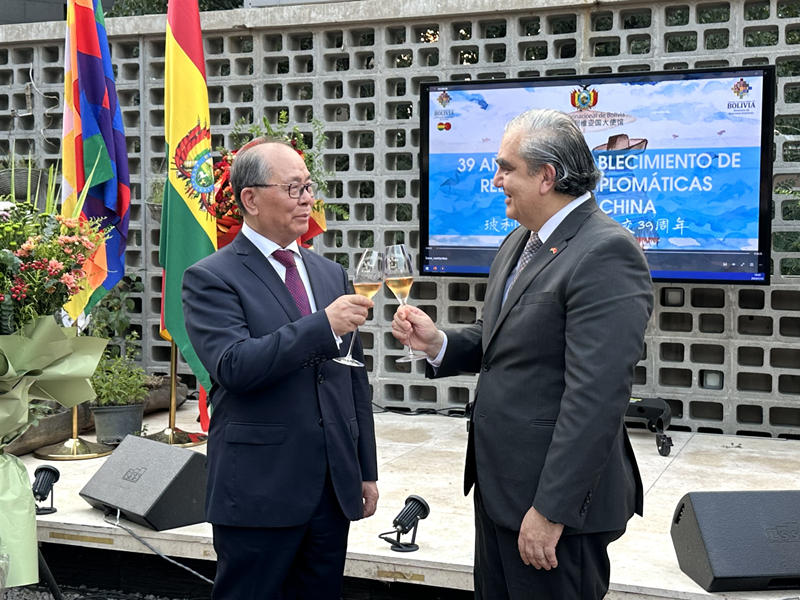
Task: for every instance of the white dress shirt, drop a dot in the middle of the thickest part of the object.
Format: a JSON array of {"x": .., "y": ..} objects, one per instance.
[{"x": 267, "y": 247}]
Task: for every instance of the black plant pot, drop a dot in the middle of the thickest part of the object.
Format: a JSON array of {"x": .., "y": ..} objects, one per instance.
[{"x": 113, "y": 423}]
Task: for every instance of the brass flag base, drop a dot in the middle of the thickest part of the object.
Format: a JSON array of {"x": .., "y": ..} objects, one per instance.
[
  {"x": 73, "y": 449},
  {"x": 178, "y": 437},
  {"x": 172, "y": 435}
]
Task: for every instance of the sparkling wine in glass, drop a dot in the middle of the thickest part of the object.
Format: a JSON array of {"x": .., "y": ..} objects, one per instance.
[
  {"x": 399, "y": 275},
  {"x": 367, "y": 281}
]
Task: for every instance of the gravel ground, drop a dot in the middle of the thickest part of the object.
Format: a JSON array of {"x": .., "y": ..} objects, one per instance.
[{"x": 42, "y": 593}]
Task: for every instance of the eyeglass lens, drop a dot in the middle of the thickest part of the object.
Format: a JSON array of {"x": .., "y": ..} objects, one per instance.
[{"x": 296, "y": 189}]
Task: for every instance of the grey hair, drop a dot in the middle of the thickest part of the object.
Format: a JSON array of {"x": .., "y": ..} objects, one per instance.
[
  {"x": 250, "y": 167},
  {"x": 552, "y": 137}
]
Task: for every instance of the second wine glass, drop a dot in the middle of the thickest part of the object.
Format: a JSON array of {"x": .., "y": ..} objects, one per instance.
[
  {"x": 399, "y": 274},
  {"x": 366, "y": 282}
]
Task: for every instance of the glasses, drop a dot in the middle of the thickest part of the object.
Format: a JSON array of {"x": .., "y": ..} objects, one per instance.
[{"x": 295, "y": 189}]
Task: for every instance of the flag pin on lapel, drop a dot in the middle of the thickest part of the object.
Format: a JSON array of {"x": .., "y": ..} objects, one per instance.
[{"x": 553, "y": 250}]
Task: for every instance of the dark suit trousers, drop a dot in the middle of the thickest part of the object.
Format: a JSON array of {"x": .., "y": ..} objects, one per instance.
[
  {"x": 284, "y": 563},
  {"x": 582, "y": 574}
]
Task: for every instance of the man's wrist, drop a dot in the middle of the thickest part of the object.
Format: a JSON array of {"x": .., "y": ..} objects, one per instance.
[
  {"x": 436, "y": 361},
  {"x": 434, "y": 349}
]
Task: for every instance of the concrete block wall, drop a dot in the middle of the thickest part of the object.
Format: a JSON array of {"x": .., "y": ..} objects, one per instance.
[{"x": 726, "y": 357}]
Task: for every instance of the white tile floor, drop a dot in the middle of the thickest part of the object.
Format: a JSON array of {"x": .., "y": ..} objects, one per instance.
[{"x": 423, "y": 455}]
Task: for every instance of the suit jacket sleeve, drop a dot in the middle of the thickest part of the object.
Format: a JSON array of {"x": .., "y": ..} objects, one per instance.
[
  {"x": 608, "y": 303},
  {"x": 464, "y": 352},
  {"x": 235, "y": 358}
]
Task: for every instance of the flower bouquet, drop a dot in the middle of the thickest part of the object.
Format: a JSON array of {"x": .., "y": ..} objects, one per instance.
[
  {"x": 41, "y": 267},
  {"x": 224, "y": 207}
]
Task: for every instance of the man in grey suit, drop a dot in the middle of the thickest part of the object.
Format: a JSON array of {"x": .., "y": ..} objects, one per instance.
[{"x": 567, "y": 302}]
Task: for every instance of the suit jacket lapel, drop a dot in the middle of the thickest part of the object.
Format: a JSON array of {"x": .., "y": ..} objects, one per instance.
[
  {"x": 504, "y": 263},
  {"x": 551, "y": 250},
  {"x": 315, "y": 267},
  {"x": 259, "y": 265}
]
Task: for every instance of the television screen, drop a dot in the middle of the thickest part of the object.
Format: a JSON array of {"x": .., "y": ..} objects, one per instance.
[{"x": 686, "y": 158}]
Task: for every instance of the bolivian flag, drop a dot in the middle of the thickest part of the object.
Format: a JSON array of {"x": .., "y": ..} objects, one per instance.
[{"x": 188, "y": 231}]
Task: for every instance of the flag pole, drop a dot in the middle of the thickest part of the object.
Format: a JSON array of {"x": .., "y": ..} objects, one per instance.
[
  {"x": 172, "y": 435},
  {"x": 188, "y": 229}
]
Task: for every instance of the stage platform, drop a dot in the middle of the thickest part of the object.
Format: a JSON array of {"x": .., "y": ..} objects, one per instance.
[{"x": 424, "y": 455}]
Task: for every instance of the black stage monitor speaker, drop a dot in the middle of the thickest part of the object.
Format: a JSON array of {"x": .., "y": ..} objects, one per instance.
[
  {"x": 728, "y": 541},
  {"x": 151, "y": 483}
]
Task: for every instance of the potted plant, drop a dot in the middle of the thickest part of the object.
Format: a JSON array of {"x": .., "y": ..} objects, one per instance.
[
  {"x": 111, "y": 318},
  {"x": 121, "y": 388}
]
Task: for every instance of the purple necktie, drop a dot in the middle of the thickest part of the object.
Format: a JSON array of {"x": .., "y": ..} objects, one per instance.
[{"x": 293, "y": 281}]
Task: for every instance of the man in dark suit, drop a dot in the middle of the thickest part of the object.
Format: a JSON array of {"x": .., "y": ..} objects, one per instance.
[
  {"x": 291, "y": 448},
  {"x": 566, "y": 306}
]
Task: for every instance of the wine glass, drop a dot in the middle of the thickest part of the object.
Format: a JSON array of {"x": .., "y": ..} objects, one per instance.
[
  {"x": 399, "y": 275},
  {"x": 367, "y": 281}
]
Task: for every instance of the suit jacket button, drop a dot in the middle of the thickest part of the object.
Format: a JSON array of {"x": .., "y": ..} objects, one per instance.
[
  {"x": 321, "y": 378},
  {"x": 319, "y": 422},
  {"x": 486, "y": 366}
]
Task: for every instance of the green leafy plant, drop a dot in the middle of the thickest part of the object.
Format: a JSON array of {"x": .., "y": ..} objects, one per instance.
[
  {"x": 157, "y": 191},
  {"x": 127, "y": 8},
  {"x": 788, "y": 186},
  {"x": 119, "y": 380},
  {"x": 111, "y": 317},
  {"x": 301, "y": 142}
]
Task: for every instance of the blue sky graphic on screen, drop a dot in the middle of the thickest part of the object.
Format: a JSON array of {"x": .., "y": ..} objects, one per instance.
[{"x": 681, "y": 152}]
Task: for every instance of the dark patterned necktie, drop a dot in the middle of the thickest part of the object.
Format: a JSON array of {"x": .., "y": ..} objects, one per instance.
[
  {"x": 533, "y": 244},
  {"x": 293, "y": 281}
]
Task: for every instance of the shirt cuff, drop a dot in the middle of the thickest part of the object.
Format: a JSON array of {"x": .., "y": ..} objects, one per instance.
[{"x": 436, "y": 362}]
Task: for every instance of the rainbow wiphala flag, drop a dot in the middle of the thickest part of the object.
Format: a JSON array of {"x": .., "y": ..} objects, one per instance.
[{"x": 94, "y": 139}]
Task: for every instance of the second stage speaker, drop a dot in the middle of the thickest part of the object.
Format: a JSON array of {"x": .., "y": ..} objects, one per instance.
[
  {"x": 153, "y": 484},
  {"x": 728, "y": 541}
]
